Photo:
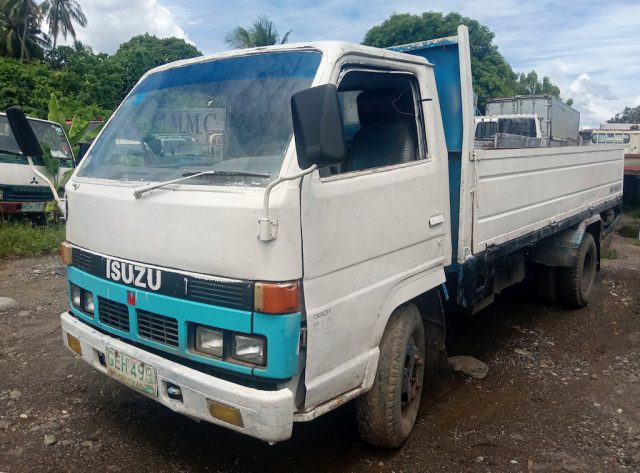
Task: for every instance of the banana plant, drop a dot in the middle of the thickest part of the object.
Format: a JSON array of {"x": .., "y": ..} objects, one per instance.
[{"x": 78, "y": 132}]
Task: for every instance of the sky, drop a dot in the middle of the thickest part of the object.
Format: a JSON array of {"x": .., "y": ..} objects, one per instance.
[{"x": 590, "y": 49}]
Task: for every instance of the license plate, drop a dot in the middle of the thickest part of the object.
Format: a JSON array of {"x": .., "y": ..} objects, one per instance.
[
  {"x": 132, "y": 372},
  {"x": 39, "y": 207}
]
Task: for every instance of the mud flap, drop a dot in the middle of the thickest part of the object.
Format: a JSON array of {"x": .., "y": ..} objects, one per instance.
[{"x": 437, "y": 361}]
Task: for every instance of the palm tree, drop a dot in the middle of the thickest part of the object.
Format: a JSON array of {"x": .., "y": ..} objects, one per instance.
[
  {"x": 60, "y": 17},
  {"x": 261, "y": 33},
  {"x": 20, "y": 29}
]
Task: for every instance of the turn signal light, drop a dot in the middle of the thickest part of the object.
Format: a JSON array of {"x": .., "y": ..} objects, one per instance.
[
  {"x": 66, "y": 252},
  {"x": 277, "y": 298},
  {"x": 228, "y": 414},
  {"x": 74, "y": 344}
]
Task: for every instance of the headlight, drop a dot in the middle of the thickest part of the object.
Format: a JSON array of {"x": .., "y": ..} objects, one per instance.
[
  {"x": 209, "y": 341},
  {"x": 87, "y": 302},
  {"x": 76, "y": 296},
  {"x": 249, "y": 349}
]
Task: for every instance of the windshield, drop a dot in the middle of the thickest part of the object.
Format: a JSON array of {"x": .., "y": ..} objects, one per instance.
[
  {"x": 47, "y": 133},
  {"x": 229, "y": 115}
]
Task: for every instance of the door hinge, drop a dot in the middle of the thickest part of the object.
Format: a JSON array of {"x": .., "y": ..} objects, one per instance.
[{"x": 303, "y": 337}]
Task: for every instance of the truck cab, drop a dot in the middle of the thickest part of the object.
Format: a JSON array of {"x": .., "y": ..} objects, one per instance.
[
  {"x": 24, "y": 186},
  {"x": 507, "y": 131}
]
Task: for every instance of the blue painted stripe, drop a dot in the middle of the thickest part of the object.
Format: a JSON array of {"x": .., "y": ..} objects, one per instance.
[
  {"x": 286, "y": 64},
  {"x": 281, "y": 331}
]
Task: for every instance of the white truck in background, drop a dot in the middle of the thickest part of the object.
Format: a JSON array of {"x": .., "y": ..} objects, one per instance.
[
  {"x": 25, "y": 187},
  {"x": 559, "y": 122},
  {"x": 310, "y": 261},
  {"x": 627, "y": 135},
  {"x": 507, "y": 131}
]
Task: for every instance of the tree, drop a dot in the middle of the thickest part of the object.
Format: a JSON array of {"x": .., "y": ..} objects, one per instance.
[
  {"x": 492, "y": 75},
  {"x": 20, "y": 33},
  {"x": 628, "y": 115},
  {"x": 261, "y": 33},
  {"x": 145, "y": 52},
  {"x": 60, "y": 16}
]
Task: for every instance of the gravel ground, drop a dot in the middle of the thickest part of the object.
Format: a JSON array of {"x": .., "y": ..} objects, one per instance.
[{"x": 562, "y": 394}]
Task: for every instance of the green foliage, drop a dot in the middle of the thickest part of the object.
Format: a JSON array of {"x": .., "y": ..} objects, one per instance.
[
  {"x": 531, "y": 85},
  {"x": 88, "y": 85},
  {"x": 144, "y": 52},
  {"x": 77, "y": 133},
  {"x": 24, "y": 239},
  {"x": 20, "y": 33},
  {"x": 61, "y": 14},
  {"x": 260, "y": 33},
  {"x": 492, "y": 75},
  {"x": 628, "y": 115}
]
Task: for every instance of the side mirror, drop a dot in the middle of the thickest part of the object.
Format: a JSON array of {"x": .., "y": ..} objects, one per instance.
[
  {"x": 23, "y": 133},
  {"x": 317, "y": 126}
]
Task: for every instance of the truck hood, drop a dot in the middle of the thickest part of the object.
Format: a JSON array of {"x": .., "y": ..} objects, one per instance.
[{"x": 209, "y": 230}]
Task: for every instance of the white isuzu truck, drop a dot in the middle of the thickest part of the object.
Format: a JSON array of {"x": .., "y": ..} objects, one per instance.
[{"x": 304, "y": 256}]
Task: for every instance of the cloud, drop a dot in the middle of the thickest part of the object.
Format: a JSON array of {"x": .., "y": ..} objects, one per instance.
[{"x": 113, "y": 22}]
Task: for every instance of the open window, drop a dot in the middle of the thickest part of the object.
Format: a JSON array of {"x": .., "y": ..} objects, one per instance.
[{"x": 381, "y": 116}]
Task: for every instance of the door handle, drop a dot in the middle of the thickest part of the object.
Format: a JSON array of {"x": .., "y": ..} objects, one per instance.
[{"x": 436, "y": 220}]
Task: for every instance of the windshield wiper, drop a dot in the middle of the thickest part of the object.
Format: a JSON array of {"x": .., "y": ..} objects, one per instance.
[
  {"x": 138, "y": 191},
  {"x": 225, "y": 173},
  {"x": 13, "y": 153}
]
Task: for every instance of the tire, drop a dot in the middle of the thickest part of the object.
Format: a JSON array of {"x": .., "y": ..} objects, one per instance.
[
  {"x": 545, "y": 280},
  {"x": 575, "y": 283},
  {"x": 387, "y": 413}
]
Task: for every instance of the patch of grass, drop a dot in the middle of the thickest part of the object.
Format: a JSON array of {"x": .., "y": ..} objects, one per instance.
[
  {"x": 610, "y": 254},
  {"x": 629, "y": 232},
  {"x": 633, "y": 211},
  {"x": 22, "y": 238}
]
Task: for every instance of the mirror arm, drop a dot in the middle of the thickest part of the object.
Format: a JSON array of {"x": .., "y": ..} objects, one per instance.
[
  {"x": 268, "y": 227},
  {"x": 59, "y": 201}
]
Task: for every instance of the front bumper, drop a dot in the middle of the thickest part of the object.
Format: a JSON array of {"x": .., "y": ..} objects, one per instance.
[{"x": 266, "y": 415}]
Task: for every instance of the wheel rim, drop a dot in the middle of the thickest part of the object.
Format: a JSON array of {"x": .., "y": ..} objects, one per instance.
[{"x": 411, "y": 379}]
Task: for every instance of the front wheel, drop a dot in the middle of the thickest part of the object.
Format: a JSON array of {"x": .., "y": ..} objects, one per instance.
[
  {"x": 387, "y": 413},
  {"x": 575, "y": 283}
]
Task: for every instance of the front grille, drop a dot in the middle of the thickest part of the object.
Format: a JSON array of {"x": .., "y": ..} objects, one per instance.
[
  {"x": 81, "y": 260},
  {"x": 114, "y": 314},
  {"x": 26, "y": 193},
  {"x": 234, "y": 295},
  {"x": 158, "y": 328}
]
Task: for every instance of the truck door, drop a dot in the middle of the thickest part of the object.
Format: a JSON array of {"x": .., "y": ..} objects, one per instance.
[{"x": 373, "y": 223}]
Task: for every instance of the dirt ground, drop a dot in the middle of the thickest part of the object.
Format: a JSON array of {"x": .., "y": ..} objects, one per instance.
[{"x": 562, "y": 394}]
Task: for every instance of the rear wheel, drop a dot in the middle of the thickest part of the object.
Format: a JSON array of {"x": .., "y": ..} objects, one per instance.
[
  {"x": 575, "y": 283},
  {"x": 387, "y": 413}
]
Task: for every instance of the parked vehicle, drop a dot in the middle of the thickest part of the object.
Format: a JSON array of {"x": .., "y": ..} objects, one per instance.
[
  {"x": 628, "y": 136},
  {"x": 507, "y": 131},
  {"x": 292, "y": 276},
  {"x": 24, "y": 185},
  {"x": 559, "y": 122}
]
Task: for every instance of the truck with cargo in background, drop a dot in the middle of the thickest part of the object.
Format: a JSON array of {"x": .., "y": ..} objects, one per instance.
[
  {"x": 25, "y": 186},
  {"x": 559, "y": 123},
  {"x": 313, "y": 258},
  {"x": 627, "y": 135}
]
